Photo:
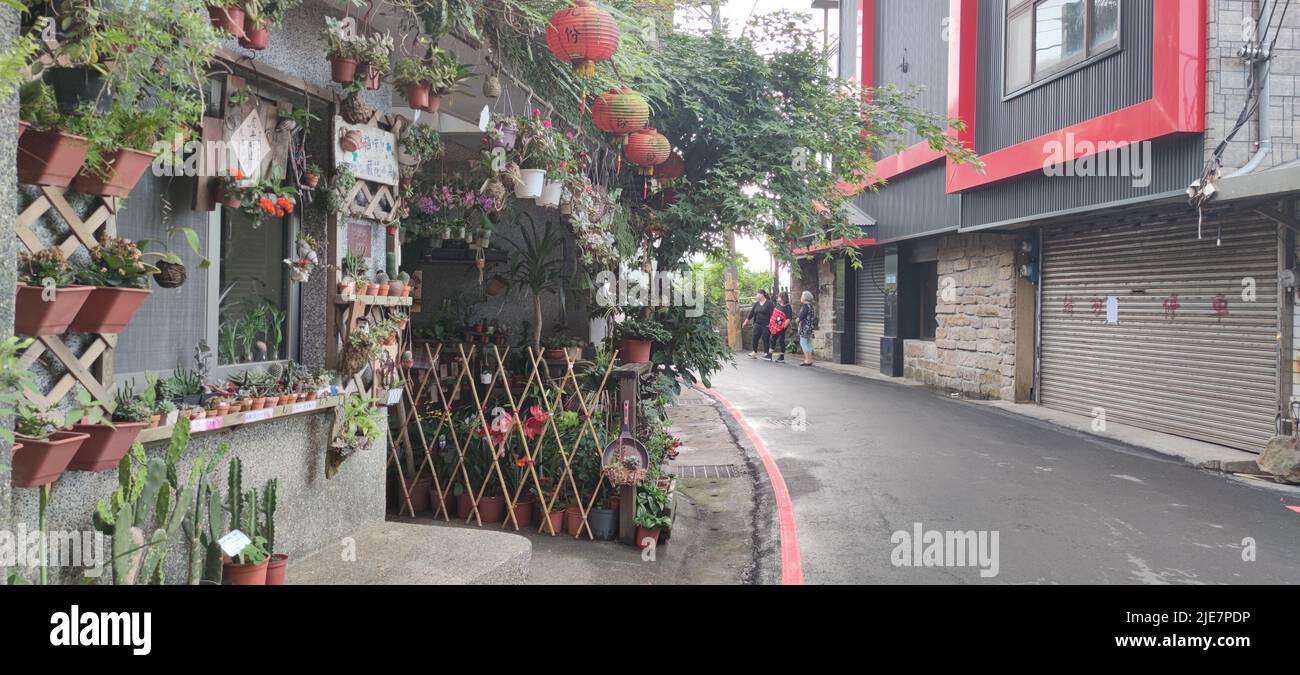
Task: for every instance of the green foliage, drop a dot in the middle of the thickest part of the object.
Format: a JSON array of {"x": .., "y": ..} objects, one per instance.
[
  {"x": 653, "y": 505},
  {"x": 537, "y": 267},
  {"x": 634, "y": 328},
  {"x": 696, "y": 348},
  {"x": 117, "y": 263},
  {"x": 39, "y": 422},
  {"x": 14, "y": 380},
  {"x": 359, "y": 426},
  {"x": 47, "y": 263},
  {"x": 422, "y": 142}
]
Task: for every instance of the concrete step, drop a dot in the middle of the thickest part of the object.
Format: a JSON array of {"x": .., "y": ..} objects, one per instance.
[{"x": 391, "y": 553}]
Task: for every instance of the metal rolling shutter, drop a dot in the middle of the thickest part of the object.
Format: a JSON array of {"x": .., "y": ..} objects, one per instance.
[
  {"x": 870, "y": 311},
  {"x": 1204, "y": 375}
]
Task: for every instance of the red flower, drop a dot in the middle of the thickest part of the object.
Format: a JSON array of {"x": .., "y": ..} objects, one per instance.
[
  {"x": 536, "y": 422},
  {"x": 546, "y": 124},
  {"x": 237, "y": 174},
  {"x": 267, "y": 205}
]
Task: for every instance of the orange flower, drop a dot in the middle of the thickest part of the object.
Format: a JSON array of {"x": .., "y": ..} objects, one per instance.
[
  {"x": 237, "y": 174},
  {"x": 266, "y": 204}
]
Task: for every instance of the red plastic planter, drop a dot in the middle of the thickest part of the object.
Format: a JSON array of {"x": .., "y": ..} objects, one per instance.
[
  {"x": 643, "y": 534},
  {"x": 41, "y": 462},
  {"x": 634, "y": 351},
  {"x": 492, "y": 509},
  {"x": 255, "y": 37},
  {"x": 276, "y": 568},
  {"x": 343, "y": 70},
  {"x": 434, "y": 103},
  {"x": 109, "y": 310},
  {"x": 417, "y": 96},
  {"x": 22, "y": 126},
  {"x": 523, "y": 514},
  {"x": 245, "y": 575},
  {"x": 34, "y": 316},
  {"x": 557, "y": 521},
  {"x": 573, "y": 520},
  {"x": 125, "y": 168},
  {"x": 229, "y": 19},
  {"x": 106, "y": 446},
  {"x": 50, "y": 157}
]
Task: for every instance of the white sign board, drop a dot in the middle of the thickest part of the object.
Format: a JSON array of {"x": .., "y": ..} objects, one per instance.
[
  {"x": 249, "y": 144},
  {"x": 375, "y": 160}
]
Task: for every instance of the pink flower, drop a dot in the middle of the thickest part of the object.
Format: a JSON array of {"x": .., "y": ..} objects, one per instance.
[
  {"x": 546, "y": 124},
  {"x": 568, "y": 135},
  {"x": 537, "y": 112}
]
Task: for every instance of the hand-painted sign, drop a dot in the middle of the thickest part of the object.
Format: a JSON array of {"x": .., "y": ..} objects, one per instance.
[{"x": 375, "y": 158}]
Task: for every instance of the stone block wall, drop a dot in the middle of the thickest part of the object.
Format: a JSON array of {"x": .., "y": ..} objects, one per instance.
[
  {"x": 974, "y": 350},
  {"x": 1227, "y": 74}
]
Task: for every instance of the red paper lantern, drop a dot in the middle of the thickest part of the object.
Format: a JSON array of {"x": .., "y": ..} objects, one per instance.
[
  {"x": 671, "y": 169},
  {"x": 581, "y": 35},
  {"x": 647, "y": 149},
  {"x": 620, "y": 112}
]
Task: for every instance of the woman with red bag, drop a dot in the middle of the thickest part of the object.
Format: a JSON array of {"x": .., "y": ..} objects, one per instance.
[{"x": 779, "y": 325}]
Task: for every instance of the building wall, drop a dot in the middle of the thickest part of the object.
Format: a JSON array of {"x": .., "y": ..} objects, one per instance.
[
  {"x": 1226, "y": 84},
  {"x": 974, "y": 347},
  {"x": 8, "y": 242}
]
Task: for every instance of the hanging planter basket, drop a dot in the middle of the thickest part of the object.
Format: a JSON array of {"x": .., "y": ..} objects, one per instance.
[
  {"x": 531, "y": 183},
  {"x": 255, "y": 37},
  {"x": 229, "y": 18},
  {"x": 125, "y": 168},
  {"x": 491, "y": 86},
  {"x": 417, "y": 96},
  {"x": 170, "y": 275},
  {"x": 435, "y": 102},
  {"x": 50, "y": 157},
  {"x": 551, "y": 193},
  {"x": 343, "y": 70}
]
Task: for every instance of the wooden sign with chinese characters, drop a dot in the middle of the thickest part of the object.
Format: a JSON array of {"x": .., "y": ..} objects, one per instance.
[{"x": 376, "y": 158}]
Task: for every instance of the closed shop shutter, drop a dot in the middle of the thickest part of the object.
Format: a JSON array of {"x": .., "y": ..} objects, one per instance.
[
  {"x": 1191, "y": 354},
  {"x": 870, "y": 311}
]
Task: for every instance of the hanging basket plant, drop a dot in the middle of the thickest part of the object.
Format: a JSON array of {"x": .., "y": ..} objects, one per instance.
[
  {"x": 228, "y": 16},
  {"x": 343, "y": 51}
]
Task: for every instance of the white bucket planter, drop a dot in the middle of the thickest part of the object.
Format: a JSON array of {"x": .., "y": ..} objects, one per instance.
[
  {"x": 551, "y": 194},
  {"x": 530, "y": 187}
]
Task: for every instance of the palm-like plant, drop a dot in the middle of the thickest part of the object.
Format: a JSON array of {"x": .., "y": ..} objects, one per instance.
[{"x": 537, "y": 268}]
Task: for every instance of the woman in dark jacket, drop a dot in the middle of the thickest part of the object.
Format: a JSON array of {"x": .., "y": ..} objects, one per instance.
[
  {"x": 759, "y": 315},
  {"x": 806, "y": 327},
  {"x": 780, "y": 324}
]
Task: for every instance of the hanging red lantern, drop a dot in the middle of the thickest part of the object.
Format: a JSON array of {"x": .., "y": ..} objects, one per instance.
[
  {"x": 620, "y": 111},
  {"x": 647, "y": 149},
  {"x": 671, "y": 169},
  {"x": 581, "y": 35}
]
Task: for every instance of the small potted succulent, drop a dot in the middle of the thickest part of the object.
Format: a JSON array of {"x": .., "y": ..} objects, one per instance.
[
  {"x": 48, "y": 445},
  {"x": 413, "y": 77},
  {"x": 343, "y": 51},
  {"x": 311, "y": 176},
  {"x": 107, "y": 443},
  {"x": 47, "y": 301}
]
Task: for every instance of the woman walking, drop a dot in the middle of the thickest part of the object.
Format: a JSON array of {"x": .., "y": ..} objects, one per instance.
[
  {"x": 759, "y": 316},
  {"x": 806, "y": 327},
  {"x": 780, "y": 324}
]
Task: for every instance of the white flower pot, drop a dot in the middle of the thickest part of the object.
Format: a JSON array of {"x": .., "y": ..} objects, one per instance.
[
  {"x": 551, "y": 194},
  {"x": 530, "y": 187}
]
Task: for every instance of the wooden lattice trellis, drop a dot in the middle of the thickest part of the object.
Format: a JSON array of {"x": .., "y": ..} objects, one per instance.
[
  {"x": 553, "y": 395},
  {"x": 93, "y": 368}
]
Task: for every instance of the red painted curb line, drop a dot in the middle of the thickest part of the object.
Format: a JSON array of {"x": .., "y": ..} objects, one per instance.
[{"x": 791, "y": 563}]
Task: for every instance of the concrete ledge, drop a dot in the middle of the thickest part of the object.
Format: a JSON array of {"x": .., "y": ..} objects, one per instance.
[{"x": 393, "y": 553}]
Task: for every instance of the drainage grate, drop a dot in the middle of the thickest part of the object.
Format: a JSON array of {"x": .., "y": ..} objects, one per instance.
[{"x": 695, "y": 471}]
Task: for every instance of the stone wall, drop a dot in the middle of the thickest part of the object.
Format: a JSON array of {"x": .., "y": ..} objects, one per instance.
[
  {"x": 8, "y": 242},
  {"x": 1226, "y": 78},
  {"x": 974, "y": 347}
]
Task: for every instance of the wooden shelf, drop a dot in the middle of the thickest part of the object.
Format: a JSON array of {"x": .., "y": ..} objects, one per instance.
[
  {"x": 376, "y": 300},
  {"x": 209, "y": 424}
]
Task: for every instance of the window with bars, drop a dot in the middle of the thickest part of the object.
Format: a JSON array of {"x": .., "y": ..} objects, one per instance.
[{"x": 1047, "y": 38}]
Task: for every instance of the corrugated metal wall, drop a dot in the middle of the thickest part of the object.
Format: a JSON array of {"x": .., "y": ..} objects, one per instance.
[
  {"x": 1107, "y": 85},
  {"x": 911, "y": 30},
  {"x": 912, "y": 204},
  {"x": 1174, "y": 163},
  {"x": 870, "y": 314},
  {"x": 1189, "y": 354}
]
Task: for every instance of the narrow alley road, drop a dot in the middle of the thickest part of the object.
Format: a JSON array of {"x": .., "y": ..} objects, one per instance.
[{"x": 876, "y": 457}]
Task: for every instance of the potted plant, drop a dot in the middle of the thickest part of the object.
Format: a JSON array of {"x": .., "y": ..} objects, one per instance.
[
  {"x": 653, "y": 506},
  {"x": 248, "y": 567},
  {"x": 536, "y": 268},
  {"x": 504, "y": 132},
  {"x": 47, "y": 444},
  {"x": 413, "y": 77},
  {"x": 120, "y": 142},
  {"x": 635, "y": 337},
  {"x": 311, "y": 176},
  {"x": 228, "y": 15},
  {"x": 107, "y": 443},
  {"x": 373, "y": 55},
  {"x": 260, "y": 18},
  {"x": 50, "y": 152},
  {"x": 278, "y": 563},
  {"x": 167, "y": 412},
  {"x": 121, "y": 279},
  {"x": 233, "y": 188},
  {"x": 47, "y": 301},
  {"x": 343, "y": 51},
  {"x": 447, "y": 76}
]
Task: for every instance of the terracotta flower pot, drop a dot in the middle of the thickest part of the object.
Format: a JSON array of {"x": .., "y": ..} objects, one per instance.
[
  {"x": 245, "y": 575},
  {"x": 634, "y": 351},
  {"x": 105, "y": 446},
  {"x": 644, "y": 537},
  {"x": 229, "y": 19},
  {"x": 554, "y": 354},
  {"x": 109, "y": 310},
  {"x": 557, "y": 521},
  {"x": 435, "y": 102},
  {"x": 523, "y": 512},
  {"x": 381, "y": 289},
  {"x": 50, "y": 157},
  {"x": 125, "y": 168},
  {"x": 258, "y": 403},
  {"x": 573, "y": 520},
  {"x": 373, "y": 77},
  {"x": 417, "y": 96},
  {"x": 275, "y": 569},
  {"x": 311, "y": 180},
  {"x": 342, "y": 70},
  {"x": 464, "y": 505},
  {"x": 255, "y": 36},
  {"x": 223, "y": 409},
  {"x": 155, "y": 421},
  {"x": 492, "y": 509},
  {"x": 22, "y": 126},
  {"x": 42, "y": 461},
  {"x": 33, "y": 316},
  {"x": 419, "y": 491}
]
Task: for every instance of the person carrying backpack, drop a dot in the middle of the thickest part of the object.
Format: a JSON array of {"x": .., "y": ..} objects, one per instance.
[{"x": 779, "y": 324}]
